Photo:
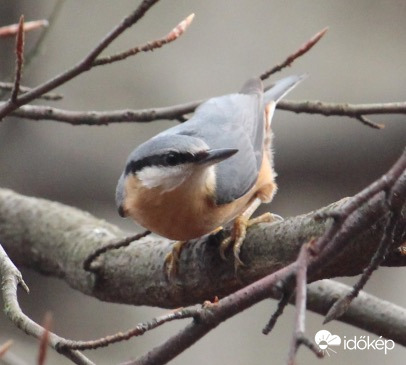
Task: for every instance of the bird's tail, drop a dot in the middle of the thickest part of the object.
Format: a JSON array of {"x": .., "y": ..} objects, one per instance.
[{"x": 281, "y": 87}]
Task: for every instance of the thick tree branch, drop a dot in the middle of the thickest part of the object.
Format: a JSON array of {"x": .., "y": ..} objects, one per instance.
[
  {"x": 202, "y": 275},
  {"x": 367, "y": 208}
]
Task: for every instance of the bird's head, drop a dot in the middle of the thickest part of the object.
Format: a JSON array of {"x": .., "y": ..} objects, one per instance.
[{"x": 165, "y": 162}]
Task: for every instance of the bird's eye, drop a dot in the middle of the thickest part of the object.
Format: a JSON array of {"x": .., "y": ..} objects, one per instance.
[{"x": 172, "y": 159}]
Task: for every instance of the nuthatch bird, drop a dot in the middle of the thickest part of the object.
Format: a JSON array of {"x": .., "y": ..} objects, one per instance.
[{"x": 192, "y": 179}]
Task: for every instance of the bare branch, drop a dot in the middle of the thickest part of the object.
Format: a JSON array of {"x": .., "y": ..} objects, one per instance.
[
  {"x": 19, "y": 60},
  {"x": 342, "y": 109},
  {"x": 84, "y": 65},
  {"x": 139, "y": 330},
  {"x": 395, "y": 200},
  {"x": 283, "y": 302},
  {"x": 298, "y": 337},
  {"x": 10, "y": 279},
  {"x": 301, "y": 51},
  {"x": 103, "y": 118},
  {"x": 341, "y": 305},
  {"x": 174, "y": 34},
  {"x": 8, "y": 86},
  {"x": 12, "y": 30},
  {"x": 356, "y": 111},
  {"x": 370, "y": 123},
  {"x": 175, "y": 112}
]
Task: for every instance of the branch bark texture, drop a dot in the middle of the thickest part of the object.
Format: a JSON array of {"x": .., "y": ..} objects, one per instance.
[{"x": 55, "y": 239}]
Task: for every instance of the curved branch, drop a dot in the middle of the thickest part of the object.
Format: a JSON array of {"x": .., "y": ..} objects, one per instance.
[{"x": 10, "y": 279}]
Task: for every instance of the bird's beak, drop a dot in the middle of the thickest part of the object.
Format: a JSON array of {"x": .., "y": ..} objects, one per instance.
[{"x": 217, "y": 155}]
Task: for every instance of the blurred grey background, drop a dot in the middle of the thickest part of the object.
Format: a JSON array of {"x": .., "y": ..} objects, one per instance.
[{"x": 318, "y": 159}]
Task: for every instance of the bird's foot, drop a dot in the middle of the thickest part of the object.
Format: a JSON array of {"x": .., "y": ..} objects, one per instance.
[
  {"x": 238, "y": 233},
  {"x": 171, "y": 263}
]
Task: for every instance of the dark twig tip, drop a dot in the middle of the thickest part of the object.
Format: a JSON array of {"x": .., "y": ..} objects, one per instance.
[
  {"x": 290, "y": 59},
  {"x": 284, "y": 301}
]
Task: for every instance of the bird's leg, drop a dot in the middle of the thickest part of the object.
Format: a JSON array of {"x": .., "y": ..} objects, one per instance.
[
  {"x": 239, "y": 231},
  {"x": 171, "y": 263},
  {"x": 172, "y": 259}
]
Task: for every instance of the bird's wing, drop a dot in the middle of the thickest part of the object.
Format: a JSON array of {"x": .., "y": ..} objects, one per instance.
[
  {"x": 232, "y": 121},
  {"x": 236, "y": 121}
]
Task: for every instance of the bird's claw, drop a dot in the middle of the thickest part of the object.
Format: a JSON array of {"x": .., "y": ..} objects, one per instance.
[
  {"x": 171, "y": 262},
  {"x": 239, "y": 231}
]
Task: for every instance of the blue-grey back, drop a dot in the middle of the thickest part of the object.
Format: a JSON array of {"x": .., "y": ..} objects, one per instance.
[{"x": 231, "y": 121}]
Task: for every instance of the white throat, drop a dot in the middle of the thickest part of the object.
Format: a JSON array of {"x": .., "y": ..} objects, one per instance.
[{"x": 169, "y": 178}]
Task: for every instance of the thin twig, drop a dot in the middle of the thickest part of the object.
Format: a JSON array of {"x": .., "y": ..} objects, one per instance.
[
  {"x": 283, "y": 302},
  {"x": 8, "y": 86},
  {"x": 396, "y": 199},
  {"x": 341, "y": 305},
  {"x": 139, "y": 330},
  {"x": 342, "y": 215},
  {"x": 301, "y": 51},
  {"x": 36, "y": 50},
  {"x": 211, "y": 316},
  {"x": 299, "y": 337},
  {"x": 370, "y": 123},
  {"x": 87, "y": 264},
  {"x": 174, "y": 34},
  {"x": 12, "y": 30},
  {"x": 19, "y": 60}
]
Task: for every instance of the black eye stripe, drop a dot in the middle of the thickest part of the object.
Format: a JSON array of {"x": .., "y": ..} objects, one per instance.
[{"x": 166, "y": 159}]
